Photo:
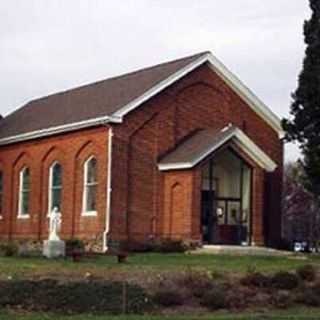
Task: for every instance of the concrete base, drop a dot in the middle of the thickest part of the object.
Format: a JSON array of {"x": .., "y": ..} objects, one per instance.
[
  {"x": 241, "y": 250},
  {"x": 54, "y": 248}
]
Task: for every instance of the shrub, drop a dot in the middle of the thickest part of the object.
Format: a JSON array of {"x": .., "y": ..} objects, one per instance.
[
  {"x": 197, "y": 283},
  {"x": 74, "y": 244},
  {"x": 9, "y": 249},
  {"x": 170, "y": 246},
  {"x": 308, "y": 297},
  {"x": 75, "y": 248},
  {"x": 307, "y": 272},
  {"x": 72, "y": 297},
  {"x": 139, "y": 247},
  {"x": 316, "y": 288},
  {"x": 282, "y": 299},
  {"x": 285, "y": 281},
  {"x": 168, "y": 297},
  {"x": 215, "y": 299},
  {"x": 240, "y": 297},
  {"x": 256, "y": 279}
]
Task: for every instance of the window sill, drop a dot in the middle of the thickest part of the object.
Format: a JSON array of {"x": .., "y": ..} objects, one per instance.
[
  {"x": 89, "y": 214},
  {"x": 25, "y": 216}
]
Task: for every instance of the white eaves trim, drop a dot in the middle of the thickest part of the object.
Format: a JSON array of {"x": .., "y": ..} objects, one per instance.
[
  {"x": 58, "y": 129},
  {"x": 245, "y": 93},
  {"x": 117, "y": 117},
  {"x": 241, "y": 140}
]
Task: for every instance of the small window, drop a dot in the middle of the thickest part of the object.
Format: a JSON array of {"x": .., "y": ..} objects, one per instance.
[
  {"x": 24, "y": 191},
  {"x": 55, "y": 186},
  {"x": 1, "y": 193},
  {"x": 90, "y": 186}
]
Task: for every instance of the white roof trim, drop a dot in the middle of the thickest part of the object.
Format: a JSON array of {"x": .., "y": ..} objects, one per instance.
[
  {"x": 240, "y": 139},
  {"x": 245, "y": 93},
  {"x": 117, "y": 117},
  {"x": 58, "y": 129}
]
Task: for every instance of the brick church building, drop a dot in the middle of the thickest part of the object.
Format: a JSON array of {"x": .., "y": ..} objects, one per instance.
[{"x": 180, "y": 150}]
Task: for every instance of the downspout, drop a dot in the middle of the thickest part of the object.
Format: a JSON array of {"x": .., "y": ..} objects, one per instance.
[{"x": 108, "y": 192}]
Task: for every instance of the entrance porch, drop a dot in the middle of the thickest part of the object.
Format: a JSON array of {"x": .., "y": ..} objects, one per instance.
[{"x": 213, "y": 189}]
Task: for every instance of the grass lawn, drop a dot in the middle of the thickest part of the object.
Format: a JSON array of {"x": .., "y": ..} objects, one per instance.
[
  {"x": 295, "y": 314},
  {"x": 145, "y": 269},
  {"x": 151, "y": 262}
]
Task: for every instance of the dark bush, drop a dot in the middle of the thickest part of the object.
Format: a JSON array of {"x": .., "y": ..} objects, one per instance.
[
  {"x": 167, "y": 297},
  {"x": 139, "y": 247},
  {"x": 285, "y": 280},
  {"x": 75, "y": 248},
  {"x": 284, "y": 244},
  {"x": 74, "y": 244},
  {"x": 197, "y": 283},
  {"x": 240, "y": 297},
  {"x": 215, "y": 299},
  {"x": 307, "y": 272},
  {"x": 9, "y": 249},
  {"x": 72, "y": 297},
  {"x": 170, "y": 246},
  {"x": 256, "y": 279},
  {"x": 316, "y": 288},
  {"x": 282, "y": 299},
  {"x": 308, "y": 297}
]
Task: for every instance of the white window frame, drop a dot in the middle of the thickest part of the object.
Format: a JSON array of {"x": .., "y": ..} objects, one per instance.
[
  {"x": 22, "y": 215},
  {"x": 85, "y": 212},
  {"x": 50, "y": 188}
]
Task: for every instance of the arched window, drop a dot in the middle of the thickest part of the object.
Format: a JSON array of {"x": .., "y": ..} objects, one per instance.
[
  {"x": 55, "y": 186},
  {"x": 1, "y": 193},
  {"x": 24, "y": 192},
  {"x": 89, "y": 205}
]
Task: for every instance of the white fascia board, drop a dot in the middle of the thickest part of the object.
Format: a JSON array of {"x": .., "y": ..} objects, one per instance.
[
  {"x": 254, "y": 151},
  {"x": 175, "y": 166},
  {"x": 242, "y": 140},
  {"x": 245, "y": 93},
  {"x": 59, "y": 129}
]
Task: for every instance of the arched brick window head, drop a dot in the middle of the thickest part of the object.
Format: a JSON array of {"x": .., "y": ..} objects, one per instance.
[
  {"x": 55, "y": 187},
  {"x": 24, "y": 193},
  {"x": 89, "y": 203}
]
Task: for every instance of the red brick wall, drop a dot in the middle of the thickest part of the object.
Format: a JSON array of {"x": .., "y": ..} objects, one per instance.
[
  {"x": 139, "y": 191},
  {"x": 199, "y": 100},
  {"x": 71, "y": 150}
]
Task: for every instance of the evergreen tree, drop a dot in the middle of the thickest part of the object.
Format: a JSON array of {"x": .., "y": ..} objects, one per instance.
[{"x": 304, "y": 124}]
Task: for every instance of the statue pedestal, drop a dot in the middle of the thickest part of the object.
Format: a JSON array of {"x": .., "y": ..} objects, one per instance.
[{"x": 54, "y": 248}]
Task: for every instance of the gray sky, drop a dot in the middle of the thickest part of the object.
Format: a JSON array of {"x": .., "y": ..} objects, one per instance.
[{"x": 52, "y": 45}]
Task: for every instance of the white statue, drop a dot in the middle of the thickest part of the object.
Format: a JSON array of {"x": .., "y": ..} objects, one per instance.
[{"x": 54, "y": 224}]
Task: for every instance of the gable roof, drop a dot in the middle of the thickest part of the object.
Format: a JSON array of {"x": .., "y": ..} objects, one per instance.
[
  {"x": 205, "y": 142},
  {"x": 108, "y": 101}
]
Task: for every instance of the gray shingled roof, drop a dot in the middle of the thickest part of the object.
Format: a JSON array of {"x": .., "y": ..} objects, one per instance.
[
  {"x": 206, "y": 141},
  {"x": 91, "y": 101},
  {"x": 197, "y": 146}
]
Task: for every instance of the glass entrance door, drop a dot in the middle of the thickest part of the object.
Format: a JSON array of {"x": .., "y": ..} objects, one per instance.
[{"x": 226, "y": 203}]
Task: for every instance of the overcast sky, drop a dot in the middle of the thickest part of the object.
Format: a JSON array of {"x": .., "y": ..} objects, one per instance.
[{"x": 52, "y": 45}]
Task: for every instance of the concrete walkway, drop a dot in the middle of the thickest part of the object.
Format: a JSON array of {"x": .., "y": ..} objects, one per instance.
[{"x": 241, "y": 250}]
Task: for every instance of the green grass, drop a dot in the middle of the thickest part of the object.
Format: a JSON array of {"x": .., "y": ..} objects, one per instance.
[
  {"x": 294, "y": 314},
  {"x": 152, "y": 262}
]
